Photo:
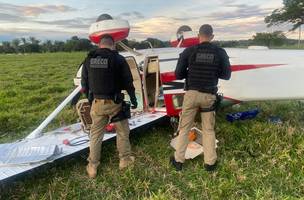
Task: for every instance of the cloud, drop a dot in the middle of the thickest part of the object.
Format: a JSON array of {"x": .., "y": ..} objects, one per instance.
[
  {"x": 227, "y": 1},
  {"x": 185, "y": 18},
  {"x": 239, "y": 30},
  {"x": 231, "y": 28},
  {"x": 20, "y": 19},
  {"x": 33, "y": 10},
  {"x": 161, "y": 27},
  {"x": 238, "y": 21},
  {"x": 77, "y": 23},
  {"x": 232, "y": 19},
  {"x": 131, "y": 15},
  {"x": 240, "y": 11},
  {"x": 42, "y": 34},
  {"x": 8, "y": 17},
  {"x": 156, "y": 24},
  {"x": 37, "y": 10}
]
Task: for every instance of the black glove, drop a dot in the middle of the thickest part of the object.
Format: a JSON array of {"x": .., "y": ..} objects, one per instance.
[
  {"x": 90, "y": 97},
  {"x": 134, "y": 102}
]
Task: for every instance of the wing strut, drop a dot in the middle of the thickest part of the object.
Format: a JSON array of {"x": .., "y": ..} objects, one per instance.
[
  {"x": 38, "y": 131},
  {"x": 125, "y": 47}
]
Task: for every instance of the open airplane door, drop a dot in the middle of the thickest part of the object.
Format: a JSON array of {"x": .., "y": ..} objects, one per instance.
[
  {"x": 153, "y": 89},
  {"x": 137, "y": 84}
]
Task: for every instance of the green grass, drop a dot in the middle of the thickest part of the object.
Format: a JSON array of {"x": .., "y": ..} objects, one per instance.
[
  {"x": 258, "y": 160},
  {"x": 31, "y": 86}
]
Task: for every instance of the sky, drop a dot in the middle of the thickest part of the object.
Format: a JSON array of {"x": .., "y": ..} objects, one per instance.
[{"x": 61, "y": 19}]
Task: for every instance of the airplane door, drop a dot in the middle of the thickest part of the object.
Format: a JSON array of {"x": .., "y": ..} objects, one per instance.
[
  {"x": 153, "y": 93},
  {"x": 136, "y": 82}
]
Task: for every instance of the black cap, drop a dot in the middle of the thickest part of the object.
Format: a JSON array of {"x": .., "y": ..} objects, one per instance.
[{"x": 206, "y": 30}]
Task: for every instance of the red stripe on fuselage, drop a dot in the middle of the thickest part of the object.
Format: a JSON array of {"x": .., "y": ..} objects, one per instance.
[
  {"x": 232, "y": 100},
  {"x": 235, "y": 68},
  {"x": 170, "y": 76}
]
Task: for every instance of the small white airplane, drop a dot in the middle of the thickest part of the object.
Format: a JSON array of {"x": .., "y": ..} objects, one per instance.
[{"x": 258, "y": 74}]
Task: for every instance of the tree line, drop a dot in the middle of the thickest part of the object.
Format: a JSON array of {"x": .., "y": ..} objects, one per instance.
[
  {"x": 32, "y": 45},
  {"x": 276, "y": 39}
]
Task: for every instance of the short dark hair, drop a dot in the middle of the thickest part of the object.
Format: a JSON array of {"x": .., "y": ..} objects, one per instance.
[
  {"x": 106, "y": 40},
  {"x": 206, "y": 30}
]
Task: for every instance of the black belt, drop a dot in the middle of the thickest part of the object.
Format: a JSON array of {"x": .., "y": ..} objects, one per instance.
[
  {"x": 111, "y": 97},
  {"x": 209, "y": 90}
]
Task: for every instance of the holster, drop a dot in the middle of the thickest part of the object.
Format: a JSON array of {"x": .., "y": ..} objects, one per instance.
[
  {"x": 118, "y": 98},
  {"x": 216, "y": 105},
  {"x": 124, "y": 113}
]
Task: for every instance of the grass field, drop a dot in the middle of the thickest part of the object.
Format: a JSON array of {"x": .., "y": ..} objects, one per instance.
[{"x": 257, "y": 159}]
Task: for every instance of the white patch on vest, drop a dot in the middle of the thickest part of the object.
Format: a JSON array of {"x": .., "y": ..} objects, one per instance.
[
  {"x": 204, "y": 58},
  {"x": 101, "y": 63}
]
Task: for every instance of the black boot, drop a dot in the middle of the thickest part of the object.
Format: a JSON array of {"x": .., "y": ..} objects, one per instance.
[
  {"x": 210, "y": 168},
  {"x": 177, "y": 165}
]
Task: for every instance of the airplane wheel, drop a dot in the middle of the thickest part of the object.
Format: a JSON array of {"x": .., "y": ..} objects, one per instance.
[{"x": 104, "y": 17}]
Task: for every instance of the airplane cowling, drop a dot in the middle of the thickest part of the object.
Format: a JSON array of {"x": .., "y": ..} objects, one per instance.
[{"x": 118, "y": 29}]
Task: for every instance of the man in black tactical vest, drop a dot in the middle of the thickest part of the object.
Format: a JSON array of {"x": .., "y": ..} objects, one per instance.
[
  {"x": 104, "y": 74},
  {"x": 201, "y": 65}
]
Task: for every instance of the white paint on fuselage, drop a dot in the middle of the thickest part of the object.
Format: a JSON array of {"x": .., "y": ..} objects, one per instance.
[
  {"x": 271, "y": 83},
  {"x": 278, "y": 82}
]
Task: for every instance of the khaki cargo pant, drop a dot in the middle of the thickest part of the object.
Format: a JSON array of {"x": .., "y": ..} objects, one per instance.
[
  {"x": 101, "y": 112},
  {"x": 193, "y": 101}
]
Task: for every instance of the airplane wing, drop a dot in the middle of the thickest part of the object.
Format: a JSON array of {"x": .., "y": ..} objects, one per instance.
[
  {"x": 31, "y": 154},
  {"x": 265, "y": 75},
  {"x": 256, "y": 74}
]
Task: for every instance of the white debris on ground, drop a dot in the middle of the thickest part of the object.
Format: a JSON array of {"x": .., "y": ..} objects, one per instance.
[
  {"x": 23, "y": 152},
  {"x": 195, "y": 147}
]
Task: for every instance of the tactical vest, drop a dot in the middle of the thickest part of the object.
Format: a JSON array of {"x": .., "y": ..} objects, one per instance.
[
  {"x": 102, "y": 73},
  {"x": 204, "y": 68}
]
